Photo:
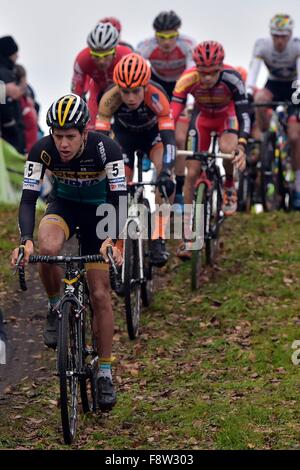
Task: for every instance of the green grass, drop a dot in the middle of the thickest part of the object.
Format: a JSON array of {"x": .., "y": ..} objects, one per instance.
[
  {"x": 211, "y": 369},
  {"x": 8, "y": 240}
]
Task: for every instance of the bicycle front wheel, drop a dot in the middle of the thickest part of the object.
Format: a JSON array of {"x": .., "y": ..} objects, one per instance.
[
  {"x": 213, "y": 217},
  {"x": 67, "y": 361},
  {"x": 269, "y": 176},
  {"x": 147, "y": 286},
  {"x": 244, "y": 191},
  {"x": 88, "y": 379},
  {"x": 198, "y": 229},
  {"x": 132, "y": 286}
]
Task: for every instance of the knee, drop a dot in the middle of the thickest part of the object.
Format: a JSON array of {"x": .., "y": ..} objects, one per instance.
[
  {"x": 228, "y": 147},
  {"x": 100, "y": 297},
  {"x": 49, "y": 247},
  {"x": 294, "y": 133},
  {"x": 51, "y": 239},
  {"x": 228, "y": 143},
  {"x": 192, "y": 175},
  {"x": 261, "y": 97}
]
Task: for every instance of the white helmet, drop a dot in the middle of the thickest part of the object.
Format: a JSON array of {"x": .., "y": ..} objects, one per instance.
[
  {"x": 104, "y": 36},
  {"x": 281, "y": 25}
]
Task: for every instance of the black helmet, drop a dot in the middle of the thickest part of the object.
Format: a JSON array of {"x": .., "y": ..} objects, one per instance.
[
  {"x": 67, "y": 112},
  {"x": 166, "y": 20}
]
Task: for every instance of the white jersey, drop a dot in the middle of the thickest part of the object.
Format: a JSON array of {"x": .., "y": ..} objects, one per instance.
[
  {"x": 282, "y": 66},
  {"x": 168, "y": 66}
]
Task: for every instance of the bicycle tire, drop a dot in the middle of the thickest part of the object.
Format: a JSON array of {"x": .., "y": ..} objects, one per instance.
[
  {"x": 67, "y": 362},
  {"x": 214, "y": 200},
  {"x": 196, "y": 260},
  {"x": 88, "y": 380},
  {"x": 88, "y": 388},
  {"x": 269, "y": 180},
  {"x": 287, "y": 178},
  {"x": 147, "y": 286},
  {"x": 132, "y": 286},
  {"x": 244, "y": 191}
]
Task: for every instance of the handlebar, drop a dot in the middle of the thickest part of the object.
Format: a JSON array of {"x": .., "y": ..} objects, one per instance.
[
  {"x": 63, "y": 260},
  {"x": 66, "y": 259},
  {"x": 204, "y": 155},
  {"x": 138, "y": 184},
  {"x": 271, "y": 104}
]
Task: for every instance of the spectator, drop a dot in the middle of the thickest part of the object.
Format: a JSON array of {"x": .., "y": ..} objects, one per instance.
[
  {"x": 11, "y": 117},
  {"x": 29, "y": 112}
]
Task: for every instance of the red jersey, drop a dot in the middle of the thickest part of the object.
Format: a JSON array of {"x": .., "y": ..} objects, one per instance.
[
  {"x": 168, "y": 66},
  {"x": 214, "y": 102},
  {"x": 85, "y": 67}
]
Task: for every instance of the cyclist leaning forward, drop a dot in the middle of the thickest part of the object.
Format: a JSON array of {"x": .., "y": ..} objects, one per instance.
[
  {"x": 221, "y": 106},
  {"x": 142, "y": 121},
  {"x": 94, "y": 65},
  {"x": 281, "y": 55},
  {"x": 170, "y": 53},
  {"x": 88, "y": 170}
]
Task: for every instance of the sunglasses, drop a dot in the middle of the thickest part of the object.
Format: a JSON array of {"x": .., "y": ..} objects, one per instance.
[
  {"x": 102, "y": 54},
  {"x": 209, "y": 72},
  {"x": 167, "y": 35}
]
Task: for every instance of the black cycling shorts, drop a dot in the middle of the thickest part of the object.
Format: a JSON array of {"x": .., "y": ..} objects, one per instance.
[
  {"x": 167, "y": 86},
  {"x": 281, "y": 91},
  {"x": 132, "y": 141},
  {"x": 70, "y": 214}
]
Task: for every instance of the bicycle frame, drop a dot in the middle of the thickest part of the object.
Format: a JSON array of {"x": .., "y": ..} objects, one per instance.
[
  {"x": 277, "y": 169},
  {"x": 75, "y": 373},
  {"x": 136, "y": 194}
]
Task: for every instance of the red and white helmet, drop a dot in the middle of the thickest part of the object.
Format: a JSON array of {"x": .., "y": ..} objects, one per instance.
[
  {"x": 209, "y": 54},
  {"x": 104, "y": 36},
  {"x": 112, "y": 20}
]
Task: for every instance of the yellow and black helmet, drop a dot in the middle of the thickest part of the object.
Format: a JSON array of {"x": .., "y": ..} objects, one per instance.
[{"x": 67, "y": 112}]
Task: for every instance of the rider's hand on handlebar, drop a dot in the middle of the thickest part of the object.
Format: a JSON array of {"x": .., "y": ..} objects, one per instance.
[
  {"x": 239, "y": 158},
  {"x": 116, "y": 254},
  {"x": 28, "y": 250},
  {"x": 164, "y": 181}
]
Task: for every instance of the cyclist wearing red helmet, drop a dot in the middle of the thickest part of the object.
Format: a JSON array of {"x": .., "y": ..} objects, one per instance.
[
  {"x": 221, "y": 106},
  {"x": 116, "y": 23},
  {"x": 142, "y": 121},
  {"x": 94, "y": 65},
  {"x": 169, "y": 54}
]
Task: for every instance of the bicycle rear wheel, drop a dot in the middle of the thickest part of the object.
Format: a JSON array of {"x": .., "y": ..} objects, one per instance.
[
  {"x": 132, "y": 286},
  {"x": 198, "y": 227},
  {"x": 68, "y": 361}
]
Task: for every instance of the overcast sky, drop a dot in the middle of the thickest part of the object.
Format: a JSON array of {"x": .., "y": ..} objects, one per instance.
[{"x": 51, "y": 33}]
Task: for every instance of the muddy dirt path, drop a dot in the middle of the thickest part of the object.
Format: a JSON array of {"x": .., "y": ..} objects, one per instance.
[{"x": 24, "y": 313}]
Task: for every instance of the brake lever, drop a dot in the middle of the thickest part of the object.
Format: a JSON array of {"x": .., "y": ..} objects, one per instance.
[
  {"x": 20, "y": 257},
  {"x": 111, "y": 260}
]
